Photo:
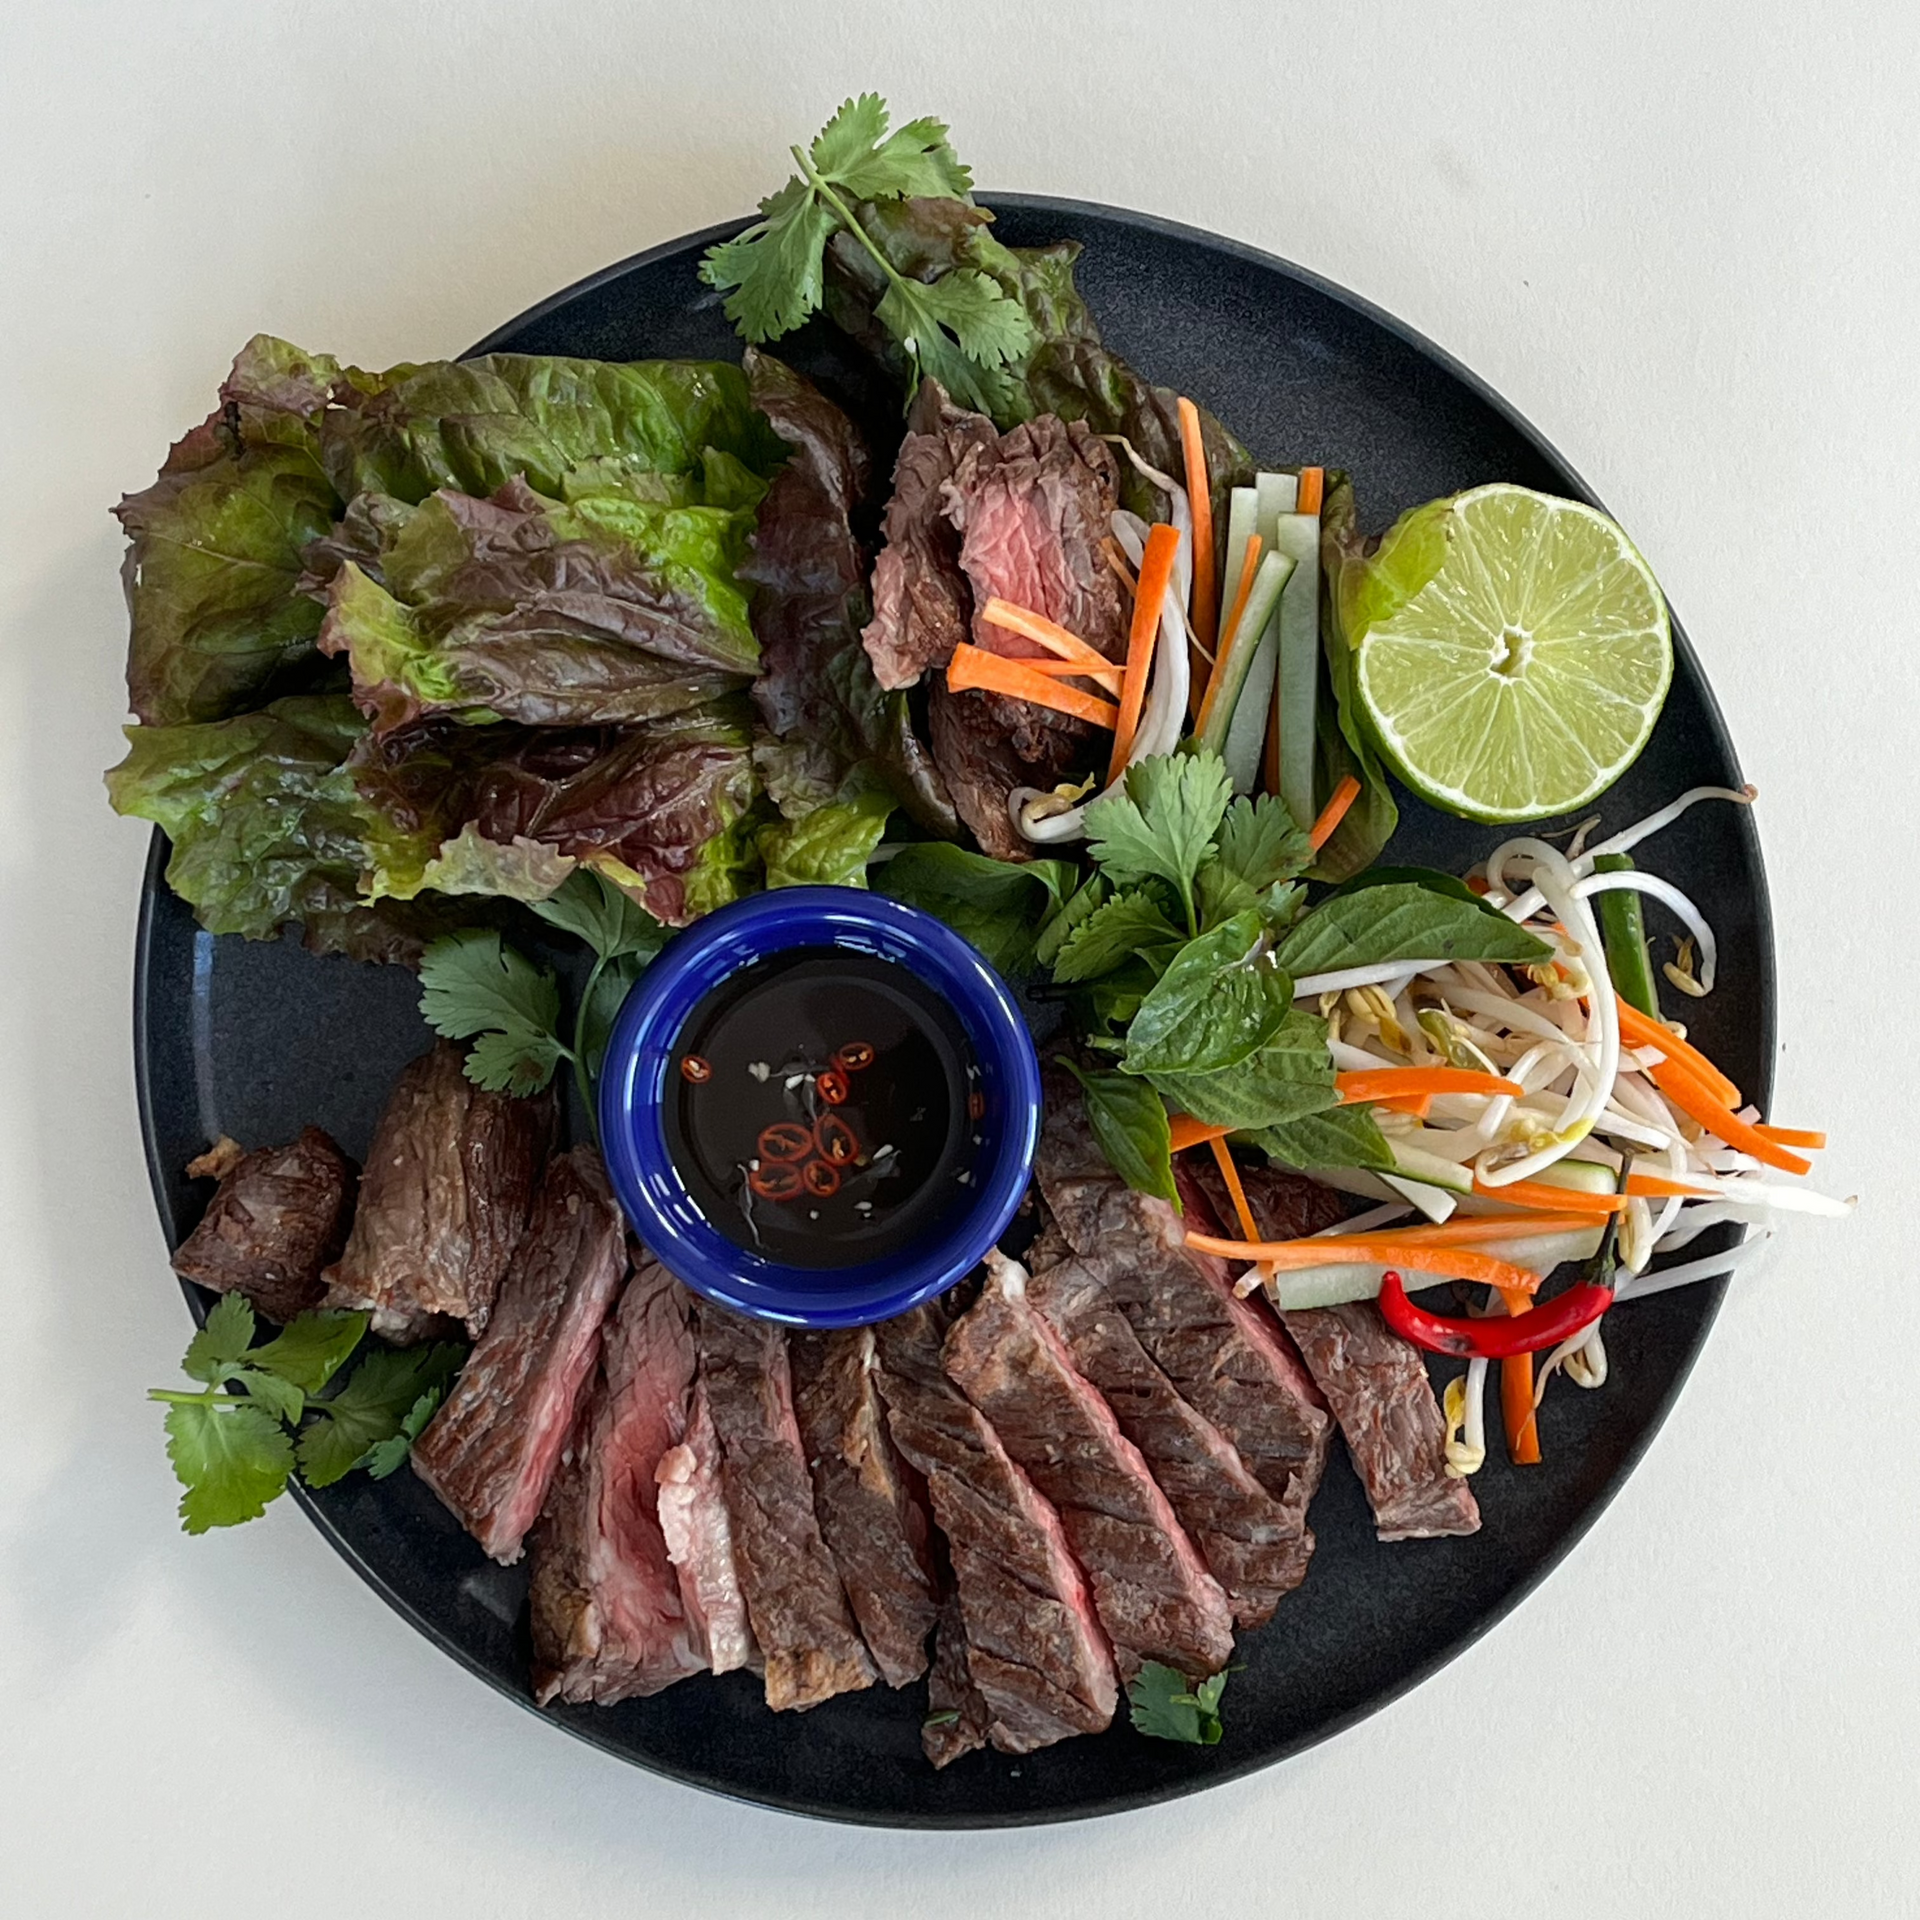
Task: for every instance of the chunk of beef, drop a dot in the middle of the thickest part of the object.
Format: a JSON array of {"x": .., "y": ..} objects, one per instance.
[
  {"x": 491, "y": 1451},
  {"x": 1256, "y": 1547},
  {"x": 872, "y": 1514},
  {"x": 1035, "y": 1648},
  {"x": 608, "y": 1618},
  {"x": 958, "y": 1717},
  {"x": 449, "y": 1178},
  {"x": 921, "y": 607},
  {"x": 1152, "y": 1590},
  {"x": 1225, "y": 1355},
  {"x": 278, "y": 1216},
  {"x": 794, "y": 1598},
  {"x": 1375, "y": 1382},
  {"x": 977, "y": 762},
  {"x": 699, "y": 1536}
]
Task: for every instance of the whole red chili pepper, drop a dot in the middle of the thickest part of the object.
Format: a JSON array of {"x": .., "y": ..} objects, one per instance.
[{"x": 1545, "y": 1326}]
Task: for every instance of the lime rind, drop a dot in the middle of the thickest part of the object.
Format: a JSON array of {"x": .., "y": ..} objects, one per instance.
[{"x": 1519, "y": 653}]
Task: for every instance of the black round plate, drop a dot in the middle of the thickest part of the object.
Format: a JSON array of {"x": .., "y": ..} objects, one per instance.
[{"x": 257, "y": 1040}]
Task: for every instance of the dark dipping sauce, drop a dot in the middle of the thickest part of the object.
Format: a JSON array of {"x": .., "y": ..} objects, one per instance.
[{"x": 822, "y": 1107}]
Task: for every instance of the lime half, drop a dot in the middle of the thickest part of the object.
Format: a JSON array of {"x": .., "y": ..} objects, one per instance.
[{"x": 1512, "y": 652}]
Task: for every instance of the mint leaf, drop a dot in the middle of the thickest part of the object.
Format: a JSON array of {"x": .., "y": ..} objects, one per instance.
[
  {"x": 1130, "y": 1125},
  {"x": 1337, "y": 1137},
  {"x": 1215, "y": 1005},
  {"x": 1288, "y": 1077},
  {"x": 593, "y": 909},
  {"x": 231, "y": 1458},
  {"x": 218, "y": 1350},
  {"x": 1402, "y": 921},
  {"x": 1167, "y": 1706},
  {"x": 472, "y": 985},
  {"x": 373, "y": 1406},
  {"x": 311, "y": 1350},
  {"x": 1257, "y": 847},
  {"x": 1130, "y": 925},
  {"x": 1163, "y": 825}
]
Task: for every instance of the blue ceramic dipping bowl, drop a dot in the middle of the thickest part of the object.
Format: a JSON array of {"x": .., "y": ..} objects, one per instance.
[{"x": 633, "y": 1088}]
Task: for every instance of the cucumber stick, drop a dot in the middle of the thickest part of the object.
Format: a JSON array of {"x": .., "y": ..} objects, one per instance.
[
  {"x": 1256, "y": 509},
  {"x": 1296, "y": 682},
  {"x": 1235, "y": 662},
  {"x": 1339, "y": 1282}
]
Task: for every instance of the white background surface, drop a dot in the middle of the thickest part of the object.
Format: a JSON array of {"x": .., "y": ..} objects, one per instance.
[{"x": 1680, "y": 239}]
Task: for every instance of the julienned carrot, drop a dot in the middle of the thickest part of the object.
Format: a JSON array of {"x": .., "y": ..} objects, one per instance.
[
  {"x": 1229, "y": 627},
  {"x": 1419, "y": 1105},
  {"x": 1692, "y": 1096},
  {"x": 1476, "y": 1229},
  {"x": 1184, "y": 1131},
  {"x": 1156, "y": 572},
  {"x": 1403, "y": 1083},
  {"x": 975, "y": 669},
  {"x": 1655, "y": 1186},
  {"x": 1638, "y": 1030},
  {"x": 1544, "y": 1197},
  {"x": 1045, "y": 633},
  {"x": 1108, "y": 678},
  {"x": 1312, "y": 483},
  {"x": 1791, "y": 1136},
  {"x": 1516, "y": 1394},
  {"x": 1424, "y": 1256},
  {"x": 1344, "y": 795},
  {"x": 1205, "y": 608},
  {"x": 1231, "y": 1175}
]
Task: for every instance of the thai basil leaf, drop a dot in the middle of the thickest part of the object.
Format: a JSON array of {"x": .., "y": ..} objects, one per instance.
[
  {"x": 1400, "y": 921},
  {"x": 1216, "y": 1005},
  {"x": 1130, "y": 926},
  {"x": 1130, "y": 1125},
  {"x": 1288, "y": 1077},
  {"x": 1339, "y": 1137}
]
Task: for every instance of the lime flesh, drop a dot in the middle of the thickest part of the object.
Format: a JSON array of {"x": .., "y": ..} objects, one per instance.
[{"x": 1512, "y": 653}]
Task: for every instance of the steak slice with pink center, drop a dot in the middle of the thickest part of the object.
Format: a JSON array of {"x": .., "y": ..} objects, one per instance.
[{"x": 699, "y": 1536}]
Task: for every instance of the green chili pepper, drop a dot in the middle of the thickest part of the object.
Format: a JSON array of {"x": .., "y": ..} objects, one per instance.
[{"x": 1624, "y": 930}]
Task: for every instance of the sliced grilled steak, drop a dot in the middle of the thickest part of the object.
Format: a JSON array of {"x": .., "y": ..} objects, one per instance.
[
  {"x": 1375, "y": 1382},
  {"x": 608, "y": 1619},
  {"x": 277, "y": 1217},
  {"x": 872, "y": 1515},
  {"x": 1255, "y": 1546},
  {"x": 1035, "y": 1649},
  {"x": 794, "y": 1598},
  {"x": 491, "y": 1451},
  {"x": 957, "y": 1713},
  {"x": 1227, "y": 1356},
  {"x": 444, "y": 1199},
  {"x": 699, "y": 1536},
  {"x": 1152, "y": 1590},
  {"x": 981, "y": 771}
]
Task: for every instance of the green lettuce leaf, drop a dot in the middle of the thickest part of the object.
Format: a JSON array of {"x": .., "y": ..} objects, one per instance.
[
  {"x": 1003, "y": 908},
  {"x": 830, "y": 846}
]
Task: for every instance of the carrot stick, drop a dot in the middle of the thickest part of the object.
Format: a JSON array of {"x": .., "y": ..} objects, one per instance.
[
  {"x": 1045, "y": 633},
  {"x": 1184, "y": 1131},
  {"x": 1544, "y": 1197},
  {"x": 1344, "y": 795},
  {"x": 1231, "y": 1175},
  {"x": 1396, "y": 1083},
  {"x": 1417, "y": 1104},
  {"x": 1455, "y": 1263},
  {"x": 1108, "y": 678},
  {"x": 975, "y": 669},
  {"x": 1307, "y": 493},
  {"x": 1653, "y": 1186},
  {"x": 1488, "y": 1229},
  {"x": 1791, "y": 1136},
  {"x": 1156, "y": 570},
  {"x": 1516, "y": 1394},
  {"x": 1248, "y": 568},
  {"x": 1692, "y": 1096},
  {"x": 1205, "y": 609},
  {"x": 1637, "y": 1029}
]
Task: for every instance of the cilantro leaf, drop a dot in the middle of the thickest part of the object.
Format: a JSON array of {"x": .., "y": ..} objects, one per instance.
[
  {"x": 231, "y": 1458},
  {"x": 280, "y": 1398},
  {"x": 602, "y": 1006},
  {"x": 1217, "y": 1004},
  {"x": 218, "y": 1350},
  {"x": 1129, "y": 925},
  {"x": 1074, "y": 909},
  {"x": 991, "y": 329},
  {"x": 857, "y": 126},
  {"x": 1130, "y": 1126},
  {"x": 1163, "y": 825},
  {"x": 385, "y": 1457},
  {"x": 374, "y": 1406},
  {"x": 1257, "y": 847},
  {"x": 472, "y": 985},
  {"x": 593, "y": 909},
  {"x": 855, "y": 153},
  {"x": 775, "y": 268},
  {"x": 311, "y": 1350},
  {"x": 1167, "y": 1706}
]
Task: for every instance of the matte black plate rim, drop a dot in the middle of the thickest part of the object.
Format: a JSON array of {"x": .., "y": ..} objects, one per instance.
[{"x": 154, "y": 880}]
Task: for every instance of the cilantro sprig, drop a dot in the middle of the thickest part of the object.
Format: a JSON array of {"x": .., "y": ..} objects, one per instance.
[
  {"x": 1166, "y": 1705},
  {"x": 960, "y": 328},
  {"x": 260, "y": 1412},
  {"x": 473, "y": 987}
]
